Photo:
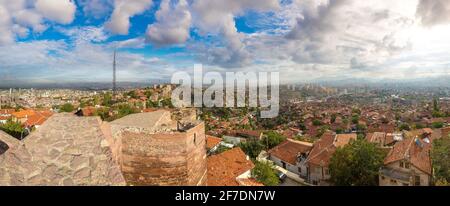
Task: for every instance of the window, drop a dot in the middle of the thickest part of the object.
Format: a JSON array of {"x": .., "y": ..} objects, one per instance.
[
  {"x": 407, "y": 165},
  {"x": 315, "y": 182},
  {"x": 417, "y": 180},
  {"x": 401, "y": 164},
  {"x": 382, "y": 177},
  {"x": 299, "y": 169},
  {"x": 284, "y": 164},
  {"x": 326, "y": 171},
  {"x": 393, "y": 181},
  {"x": 195, "y": 138}
]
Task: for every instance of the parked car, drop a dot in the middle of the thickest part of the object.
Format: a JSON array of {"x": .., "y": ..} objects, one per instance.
[{"x": 281, "y": 176}]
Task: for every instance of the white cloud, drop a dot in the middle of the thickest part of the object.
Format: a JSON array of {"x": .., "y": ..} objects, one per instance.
[
  {"x": 86, "y": 34},
  {"x": 61, "y": 11},
  {"x": 173, "y": 24},
  {"x": 217, "y": 17},
  {"x": 123, "y": 11},
  {"x": 434, "y": 12},
  {"x": 96, "y": 8},
  {"x": 18, "y": 18},
  {"x": 6, "y": 35}
]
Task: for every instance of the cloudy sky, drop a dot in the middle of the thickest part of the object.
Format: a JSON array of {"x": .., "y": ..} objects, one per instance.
[{"x": 46, "y": 41}]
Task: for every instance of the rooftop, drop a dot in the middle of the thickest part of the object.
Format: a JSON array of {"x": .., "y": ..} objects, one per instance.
[
  {"x": 212, "y": 141},
  {"x": 413, "y": 149},
  {"x": 289, "y": 150},
  {"x": 224, "y": 168}
]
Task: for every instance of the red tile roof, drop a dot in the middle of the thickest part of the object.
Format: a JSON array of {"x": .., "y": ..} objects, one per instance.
[
  {"x": 224, "y": 168},
  {"x": 413, "y": 149},
  {"x": 377, "y": 137},
  {"x": 289, "y": 150},
  {"x": 212, "y": 141},
  {"x": 24, "y": 113},
  {"x": 38, "y": 118},
  {"x": 322, "y": 150},
  {"x": 7, "y": 111},
  {"x": 343, "y": 139}
]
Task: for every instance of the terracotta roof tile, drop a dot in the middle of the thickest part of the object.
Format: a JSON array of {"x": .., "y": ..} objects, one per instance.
[
  {"x": 212, "y": 141},
  {"x": 224, "y": 168},
  {"x": 413, "y": 149},
  {"x": 343, "y": 139},
  {"x": 322, "y": 150},
  {"x": 289, "y": 150}
]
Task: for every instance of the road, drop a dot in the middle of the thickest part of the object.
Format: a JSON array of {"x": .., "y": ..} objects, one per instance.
[{"x": 290, "y": 182}]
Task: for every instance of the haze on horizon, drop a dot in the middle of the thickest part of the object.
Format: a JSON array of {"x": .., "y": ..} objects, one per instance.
[{"x": 66, "y": 41}]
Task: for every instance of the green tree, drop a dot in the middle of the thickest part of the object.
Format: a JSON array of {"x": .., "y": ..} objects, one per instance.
[
  {"x": 125, "y": 110},
  {"x": 437, "y": 125},
  {"x": 419, "y": 126},
  {"x": 317, "y": 122},
  {"x": 333, "y": 118},
  {"x": 252, "y": 147},
  {"x": 440, "y": 155},
  {"x": 167, "y": 103},
  {"x": 272, "y": 139},
  {"x": 361, "y": 128},
  {"x": 404, "y": 126},
  {"x": 103, "y": 113},
  {"x": 148, "y": 93},
  {"x": 132, "y": 94},
  {"x": 265, "y": 173},
  {"x": 356, "y": 164},
  {"x": 355, "y": 119},
  {"x": 13, "y": 128},
  {"x": 107, "y": 99},
  {"x": 67, "y": 108}
]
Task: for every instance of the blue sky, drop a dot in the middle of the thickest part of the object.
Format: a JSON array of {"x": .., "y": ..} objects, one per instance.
[{"x": 47, "y": 41}]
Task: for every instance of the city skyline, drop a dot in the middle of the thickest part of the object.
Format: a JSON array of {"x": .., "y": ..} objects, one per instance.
[{"x": 305, "y": 40}]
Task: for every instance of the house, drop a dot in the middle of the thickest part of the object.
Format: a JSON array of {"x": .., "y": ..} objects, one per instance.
[
  {"x": 212, "y": 143},
  {"x": 378, "y": 138},
  {"x": 321, "y": 153},
  {"x": 229, "y": 168},
  {"x": 22, "y": 115},
  {"x": 383, "y": 139},
  {"x": 3, "y": 119},
  {"x": 407, "y": 164},
  {"x": 291, "y": 155},
  {"x": 5, "y": 114},
  {"x": 38, "y": 119}
]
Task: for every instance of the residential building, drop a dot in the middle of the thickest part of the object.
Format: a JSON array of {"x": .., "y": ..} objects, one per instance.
[
  {"x": 229, "y": 168},
  {"x": 291, "y": 155},
  {"x": 408, "y": 163},
  {"x": 320, "y": 155},
  {"x": 212, "y": 143}
]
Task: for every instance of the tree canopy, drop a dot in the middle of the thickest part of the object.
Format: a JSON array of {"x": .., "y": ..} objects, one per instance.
[
  {"x": 265, "y": 173},
  {"x": 67, "y": 108},
  {"x": 13, "y": 128},
  {"x": 356, "y": 164},
  {"x": 252, "y": 147},
  {"x": 440, "y": 155},
  {"x": 272, "y": 139}
]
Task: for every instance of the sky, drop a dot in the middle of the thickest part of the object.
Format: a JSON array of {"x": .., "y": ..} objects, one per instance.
[{"x": 57, "y": 41}]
